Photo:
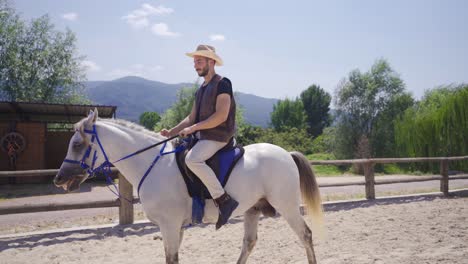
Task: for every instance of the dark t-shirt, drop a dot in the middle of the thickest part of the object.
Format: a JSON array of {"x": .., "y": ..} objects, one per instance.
[{"x": 224, "y": 86}]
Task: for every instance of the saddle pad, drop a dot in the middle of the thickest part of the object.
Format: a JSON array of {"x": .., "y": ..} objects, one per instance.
[{"x": 221, "y": 163}]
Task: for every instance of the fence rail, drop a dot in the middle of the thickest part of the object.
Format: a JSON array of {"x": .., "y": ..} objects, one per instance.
[{"x": 126, "y": 211}]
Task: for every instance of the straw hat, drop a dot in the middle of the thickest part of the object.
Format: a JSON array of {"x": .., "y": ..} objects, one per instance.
[{"x": 208, "y": 52}]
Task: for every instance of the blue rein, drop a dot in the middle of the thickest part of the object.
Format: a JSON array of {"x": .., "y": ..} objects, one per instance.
[{"x": 105, "y": 167}]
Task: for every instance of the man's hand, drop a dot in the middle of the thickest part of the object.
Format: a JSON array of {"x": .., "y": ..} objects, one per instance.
[
  {"x": 187, "y": 131},
  {"x": 165, "y": 133}
]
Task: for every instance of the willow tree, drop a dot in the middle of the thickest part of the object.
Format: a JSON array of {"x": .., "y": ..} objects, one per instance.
[{"x": 436, "y": 126}]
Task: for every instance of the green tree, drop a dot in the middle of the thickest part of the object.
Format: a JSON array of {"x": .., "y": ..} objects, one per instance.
[
  {"x": 149, "y": 119},
  {"x": 288, "y": 114},
  {"x": 362, "y": 100},
  {"x": 316, "y": 104},
  {"x": 38, "y": 63},
  {"x": 383, "y": 134}
]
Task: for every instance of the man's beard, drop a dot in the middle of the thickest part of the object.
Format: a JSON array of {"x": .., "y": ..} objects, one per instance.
[{"x": 204, "y": 72}]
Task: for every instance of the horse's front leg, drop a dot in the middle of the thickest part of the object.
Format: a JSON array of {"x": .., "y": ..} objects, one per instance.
[
  {"x": 250, "y": 233},
  {"x": 172, "y": 238}
]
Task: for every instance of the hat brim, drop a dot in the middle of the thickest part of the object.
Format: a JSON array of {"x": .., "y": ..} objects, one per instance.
[{"x": 207, "y": 54}]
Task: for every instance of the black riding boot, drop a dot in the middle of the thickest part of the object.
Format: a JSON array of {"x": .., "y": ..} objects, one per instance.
[{"x": 226, "y": 206}]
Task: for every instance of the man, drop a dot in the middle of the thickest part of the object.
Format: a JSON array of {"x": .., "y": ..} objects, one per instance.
[{"x": 212, "y": 119}]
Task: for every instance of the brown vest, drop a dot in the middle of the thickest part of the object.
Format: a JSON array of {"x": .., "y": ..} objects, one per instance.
[{"x": 205, "y": 105}]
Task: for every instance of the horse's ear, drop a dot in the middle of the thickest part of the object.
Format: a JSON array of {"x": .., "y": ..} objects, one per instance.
[
  {"x": 92, "y": 117},
  {"x": 95, "y": 115}
]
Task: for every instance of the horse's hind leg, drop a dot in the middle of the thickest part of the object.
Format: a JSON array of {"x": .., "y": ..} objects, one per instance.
[
  {"x": 250, "y": 233},
  {"x": 299, "y": 226}
]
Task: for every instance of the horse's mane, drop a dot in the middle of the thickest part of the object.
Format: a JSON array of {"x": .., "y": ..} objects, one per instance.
[
  {"x": 133, "y": 126},
  {"x": 126, "y": 124}
]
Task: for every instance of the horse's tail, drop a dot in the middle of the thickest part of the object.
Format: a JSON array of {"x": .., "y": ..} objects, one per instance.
[{"x": 309, "y": 189}]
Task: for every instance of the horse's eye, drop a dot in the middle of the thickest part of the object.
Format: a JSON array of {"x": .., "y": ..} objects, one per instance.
[{"x": 77, "y": 144}]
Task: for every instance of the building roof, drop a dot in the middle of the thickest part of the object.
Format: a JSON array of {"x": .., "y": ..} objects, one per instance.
[{"x": 51, "y": 113}]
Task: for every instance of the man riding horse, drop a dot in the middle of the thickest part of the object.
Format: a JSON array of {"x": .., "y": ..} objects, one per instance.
[{"x": 212, "y": 119}]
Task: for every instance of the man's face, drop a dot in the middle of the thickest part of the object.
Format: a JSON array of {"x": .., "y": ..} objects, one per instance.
[{"x": 201, "y": 65}]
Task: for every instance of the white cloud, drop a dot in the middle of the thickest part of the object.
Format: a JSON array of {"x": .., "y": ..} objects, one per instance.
[
  {"x": 90, "y": 66},
  {"x": 136, "y": 70},
  {"x": 160, "y": 10},
  {"x": 138, "y": 18},
  {"x": 162, "y": 29},
  {"x": 217, "y": 37},
  {"x": 70, "y": 16}
]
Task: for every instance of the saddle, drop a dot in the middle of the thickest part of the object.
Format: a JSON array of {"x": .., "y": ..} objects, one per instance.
[{"x": 222, "y": 163}]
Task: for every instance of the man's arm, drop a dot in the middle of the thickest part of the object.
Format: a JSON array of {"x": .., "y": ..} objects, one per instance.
[
  {"x": 223, "y": 104},
  {"x": 188, "y": 121}
]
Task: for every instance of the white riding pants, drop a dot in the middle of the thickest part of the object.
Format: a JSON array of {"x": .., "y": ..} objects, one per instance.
[{"x": 196, "y": 161}]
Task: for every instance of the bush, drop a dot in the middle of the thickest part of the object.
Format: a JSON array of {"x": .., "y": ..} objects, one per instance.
[
  {"x": 325, "y": 142},
  {"x": 291, "y": 139}
]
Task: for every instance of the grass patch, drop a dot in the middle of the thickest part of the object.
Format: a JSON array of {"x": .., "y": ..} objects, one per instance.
[
  {"x": 321, "y": 156},
  {"x": 326, "y": 170},
  {"x": 335, "y": 170},
  {"x": 392, "y": 169},
  {"x": 389, "y": 169}
]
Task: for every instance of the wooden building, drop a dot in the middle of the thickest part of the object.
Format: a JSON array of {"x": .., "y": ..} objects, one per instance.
[{"x": 36, "y": 135}]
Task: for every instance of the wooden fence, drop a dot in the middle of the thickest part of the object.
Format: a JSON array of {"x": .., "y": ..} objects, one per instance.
[
  {"x": 369, "y": 178},
  {"x": 126, "y": 189},
  {"x": 125, "y": 206}
]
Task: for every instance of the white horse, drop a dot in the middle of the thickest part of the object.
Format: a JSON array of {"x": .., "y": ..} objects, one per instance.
[{"x": 266, "y": 176}]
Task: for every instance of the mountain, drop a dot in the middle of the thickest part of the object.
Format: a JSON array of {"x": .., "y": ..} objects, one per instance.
[
  {"x": 256, "y": 109},
  {"x": 135, "y": 95}
]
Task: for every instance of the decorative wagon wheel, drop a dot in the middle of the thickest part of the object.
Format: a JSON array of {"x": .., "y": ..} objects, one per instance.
[{"x": 13, "y": 144}]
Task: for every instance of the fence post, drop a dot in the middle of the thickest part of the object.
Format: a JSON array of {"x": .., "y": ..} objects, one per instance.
[
  {"x": 370, "y": 180},
  {"x": 125, "y": 207},
  {"x": 444, "y": 182}
]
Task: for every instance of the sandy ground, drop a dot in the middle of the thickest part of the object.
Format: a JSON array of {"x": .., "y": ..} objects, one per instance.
[{"x": 410, "y": 230}]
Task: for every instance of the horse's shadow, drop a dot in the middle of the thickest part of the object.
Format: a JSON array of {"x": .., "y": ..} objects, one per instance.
[
  {"x": 142, "y": 229},
  {"x": 49, "y": 239}
]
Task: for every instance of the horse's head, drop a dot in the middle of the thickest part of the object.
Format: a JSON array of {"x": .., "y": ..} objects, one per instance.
[{"x": 80, "y": 155}]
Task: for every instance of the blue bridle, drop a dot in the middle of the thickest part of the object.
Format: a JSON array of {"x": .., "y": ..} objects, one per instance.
[
  {"x": 105, "y": 167},
  {"x": 90, "y": 169}
]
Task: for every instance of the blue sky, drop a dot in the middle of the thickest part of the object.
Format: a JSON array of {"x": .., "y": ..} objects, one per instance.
[{"x": 273, "y": 49}]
